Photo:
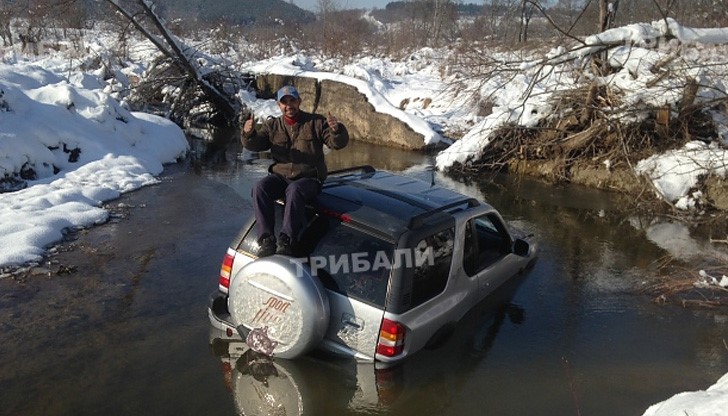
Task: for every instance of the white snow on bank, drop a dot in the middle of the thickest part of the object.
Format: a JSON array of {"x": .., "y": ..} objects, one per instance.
[
  {"x": 84, "y": 150},
  {"x": 677, "y": 172},
  {"x": 710, "y": 402}
]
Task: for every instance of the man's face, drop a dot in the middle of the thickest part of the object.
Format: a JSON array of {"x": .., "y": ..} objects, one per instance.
[{"x": 289, "y": 106}]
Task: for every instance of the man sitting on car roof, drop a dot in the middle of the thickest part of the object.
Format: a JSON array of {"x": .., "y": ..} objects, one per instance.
[{"x": 295, "y": 140}]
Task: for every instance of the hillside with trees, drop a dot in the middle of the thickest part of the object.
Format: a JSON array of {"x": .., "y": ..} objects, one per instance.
[{"x": 237, "y": 12}]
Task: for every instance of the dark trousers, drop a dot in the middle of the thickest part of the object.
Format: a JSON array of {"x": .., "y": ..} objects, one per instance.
[{"x": 296, "y": 194}]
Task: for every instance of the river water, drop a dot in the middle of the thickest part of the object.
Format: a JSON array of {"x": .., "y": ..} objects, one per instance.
[{"x": 127, "y": 331}]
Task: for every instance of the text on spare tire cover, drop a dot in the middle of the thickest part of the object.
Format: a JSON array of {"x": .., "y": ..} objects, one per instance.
[{"x": 272, "y": 311}]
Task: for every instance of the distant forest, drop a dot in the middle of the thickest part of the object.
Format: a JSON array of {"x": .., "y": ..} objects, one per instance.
[
  {"x": 469, "y": 9},
  {"x": 262, "y": 12},
  {"x": 236, "y": 12}
]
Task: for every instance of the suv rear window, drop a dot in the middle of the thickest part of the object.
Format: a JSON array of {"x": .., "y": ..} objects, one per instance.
[{"x": 353, "y": 263}]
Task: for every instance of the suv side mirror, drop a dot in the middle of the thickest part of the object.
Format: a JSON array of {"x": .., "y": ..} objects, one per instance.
[{"x": 521, "y": 247}]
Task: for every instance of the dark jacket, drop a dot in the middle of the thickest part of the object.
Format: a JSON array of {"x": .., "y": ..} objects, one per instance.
[{"x": 297, "y": 150}]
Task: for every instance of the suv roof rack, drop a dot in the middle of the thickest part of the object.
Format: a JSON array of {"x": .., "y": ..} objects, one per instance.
[
  {"x": 346, "y": 175},
  {"x": 363, "y": 168},
  {"x": 417, "y": 220}
]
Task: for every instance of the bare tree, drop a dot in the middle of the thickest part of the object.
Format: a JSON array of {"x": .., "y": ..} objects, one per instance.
[
  {"x": 33, "y": 22},
  {"x": 501, "y": 18},
  {"x": 607, "y": 14},
  {"x": 326, "y": 7},
  {"x": 326, "y": 26},
  {"x": 144, "y": 18},
  {"x": 527, "y": 9},
  {"x": 7, "y": 11},
  {"x": 432, "y": 21}
]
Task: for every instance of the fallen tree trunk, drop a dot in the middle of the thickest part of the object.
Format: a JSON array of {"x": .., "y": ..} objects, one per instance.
[{"x": 171, "y": 47}]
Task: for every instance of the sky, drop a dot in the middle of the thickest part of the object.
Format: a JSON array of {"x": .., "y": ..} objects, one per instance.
[
  {"x": 313, "y": 5},
  {"x": 86, "y": 149}
]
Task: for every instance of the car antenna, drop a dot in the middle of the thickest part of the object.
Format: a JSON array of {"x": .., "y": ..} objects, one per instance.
[{"x": 432, "y": 169}]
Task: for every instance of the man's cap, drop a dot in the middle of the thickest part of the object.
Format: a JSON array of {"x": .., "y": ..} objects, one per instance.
[{"x": 288, "y": 90}]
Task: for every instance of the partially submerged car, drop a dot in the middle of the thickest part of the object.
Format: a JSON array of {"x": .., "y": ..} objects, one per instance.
[
  {"x": 387, "y": 265},
  {"x": 320, "y": 384}
]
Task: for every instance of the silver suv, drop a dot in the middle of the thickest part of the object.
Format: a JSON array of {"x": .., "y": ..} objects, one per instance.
[{"x": 386, "y": 266}]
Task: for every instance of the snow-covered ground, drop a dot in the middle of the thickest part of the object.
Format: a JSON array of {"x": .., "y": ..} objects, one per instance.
[
  {"x": 85, "y": 148},
  {"x": 712, "y": 401}
]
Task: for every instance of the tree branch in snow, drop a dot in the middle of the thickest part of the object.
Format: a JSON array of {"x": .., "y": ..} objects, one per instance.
[
  {"x": 171, "y": 47},
  {"x": 579, "y": 115}
]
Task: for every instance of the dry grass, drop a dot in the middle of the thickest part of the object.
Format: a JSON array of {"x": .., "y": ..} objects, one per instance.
[{"x": 681, "y": 285}]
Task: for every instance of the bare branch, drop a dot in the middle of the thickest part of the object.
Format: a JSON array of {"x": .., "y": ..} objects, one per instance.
[{"x": 171, "y": 47}]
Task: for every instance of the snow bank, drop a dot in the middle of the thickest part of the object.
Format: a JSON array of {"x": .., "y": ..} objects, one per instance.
[
  {"x": 526, "y": 99},
  {"x": 81, "y": 149},
  {"x": 710, "y": 402}
]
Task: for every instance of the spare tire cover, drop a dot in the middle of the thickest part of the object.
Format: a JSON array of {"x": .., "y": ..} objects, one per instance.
[{"x": 279, "y": 293}]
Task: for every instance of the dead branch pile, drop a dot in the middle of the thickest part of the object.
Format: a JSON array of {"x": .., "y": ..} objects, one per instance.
[
  {"x": 169, "y": 91},
  {"x": 204, "y": 92},
  {"x": 591, "y": 127},
  {"x": 689, "y": 288}
]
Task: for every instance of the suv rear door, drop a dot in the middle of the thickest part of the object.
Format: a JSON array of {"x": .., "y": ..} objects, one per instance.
[{"x": 354, "y": 266}]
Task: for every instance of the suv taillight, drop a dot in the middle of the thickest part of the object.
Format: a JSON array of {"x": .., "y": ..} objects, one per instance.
[
  {"x": 391, "y": 338},
  {"x": 227, "y": 266}
]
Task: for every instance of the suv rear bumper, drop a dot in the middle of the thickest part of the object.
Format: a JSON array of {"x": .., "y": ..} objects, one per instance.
[
  {"x": 220, "y": 318},
  {"x": 224, "y": 330}
]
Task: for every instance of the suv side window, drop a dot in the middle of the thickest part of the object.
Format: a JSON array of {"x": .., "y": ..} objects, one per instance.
[
  {"x": 353, "y": 263},
  {"x": 432, "y": 261},
  {"x": 486, "y": 240}
]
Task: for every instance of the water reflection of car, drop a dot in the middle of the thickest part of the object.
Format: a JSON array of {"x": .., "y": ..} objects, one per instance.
[
  {"x": 318, "y": 384},
  {"x": 263, "y": 385},
  {"x": 387, "y": 265}
]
